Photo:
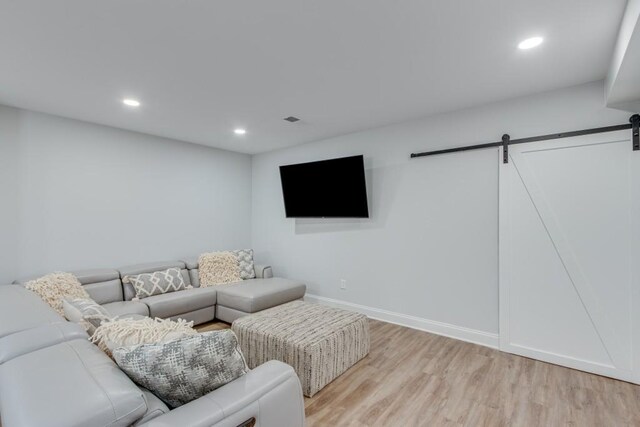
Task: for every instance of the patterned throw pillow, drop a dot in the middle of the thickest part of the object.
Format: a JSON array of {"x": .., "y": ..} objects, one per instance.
[
  {"x": 185, "y": 369},
  {"x": 54, "y": 287},
  {"x": 132, "y": 331},
  {"x": 245, "y": 263},
  {"x": 159, "y": 282},
  {"x": 86, "y": 312},
  {"x": 218, "y": 268}
]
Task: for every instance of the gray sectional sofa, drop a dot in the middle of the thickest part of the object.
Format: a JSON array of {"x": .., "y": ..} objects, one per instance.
[
  {"x": 50, "y": 374},
  {"x": 200, "y": 305}
]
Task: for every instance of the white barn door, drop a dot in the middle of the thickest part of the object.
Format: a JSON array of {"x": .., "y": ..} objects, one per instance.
[{"x": 570, "y": 253}]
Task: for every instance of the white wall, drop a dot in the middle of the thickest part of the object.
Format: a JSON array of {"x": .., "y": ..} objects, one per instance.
[
  {"x": 430, "y": 249},
  {"x": 77, "y": 195},
  {"x": 621, "y": 84}
]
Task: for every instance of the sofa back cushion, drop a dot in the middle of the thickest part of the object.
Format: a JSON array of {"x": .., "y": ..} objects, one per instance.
[
  {"x": 21, "y": 309},
  {"x": 68, "y": 384},
  {"x": 102, "y": 285},
  {"x": 135, "y": 269},
  {"x": 194, "y": 272}
]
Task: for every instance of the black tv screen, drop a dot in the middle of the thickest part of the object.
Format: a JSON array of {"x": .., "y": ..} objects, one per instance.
[{"x": 333, "y": 188}]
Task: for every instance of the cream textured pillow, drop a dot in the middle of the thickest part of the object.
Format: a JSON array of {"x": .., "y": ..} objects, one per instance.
[
  {"x": 127, "y": 332},
  {"x": 218, "y": 268},
  {"x": 54, "y": 287}
]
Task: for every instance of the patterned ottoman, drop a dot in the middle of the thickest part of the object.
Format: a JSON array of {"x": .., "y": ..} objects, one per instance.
[{"x": 319, "y": 342}]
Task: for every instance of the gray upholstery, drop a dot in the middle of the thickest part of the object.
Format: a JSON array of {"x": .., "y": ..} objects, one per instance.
[
  {"x": 174, "y": 303},
  {"x": 69, "y": 384},
  {"x": 229, "y": 315},
  {"x": 104, "y": 286},
  {"x": 122, "y": 308},
  {"x": 191, "y": 263},
  {"x": 271, "y": 394},
  {"x": 194, "y": 275},
  {"x": 198, "y": 317},
  {"x": 149, "y": 267},
  {"x": 263, "y": 271},
  {"x": 105, "y": 292},
  {"x": 19, "y": 343},
  {"x": 21, "y": 309},
  {"x": 192, "y": 266},
  {"x": 129, "y": 292},
  {"x": 259, "y": 294},
  {"x": 155, "y": 407}
]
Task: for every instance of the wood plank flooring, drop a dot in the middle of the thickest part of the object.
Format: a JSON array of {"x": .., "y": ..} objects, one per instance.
[{"x": 413, "y": 378}]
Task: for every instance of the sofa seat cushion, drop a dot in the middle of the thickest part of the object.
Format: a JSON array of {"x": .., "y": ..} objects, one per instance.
[
  {"x": 259, "y": 294},
  {"x": 176, "y": 303},
  {"x": 21, "y": 309},
  {"x": 68, "y": 384},
  {"x": 125, "y": 308}
]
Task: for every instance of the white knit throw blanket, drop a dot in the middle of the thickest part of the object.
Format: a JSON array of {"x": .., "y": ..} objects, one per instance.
[{"x": 129, "y": 332}]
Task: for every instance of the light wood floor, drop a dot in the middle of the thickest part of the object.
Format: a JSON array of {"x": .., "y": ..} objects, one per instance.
[{"x": 413, "y": 378}]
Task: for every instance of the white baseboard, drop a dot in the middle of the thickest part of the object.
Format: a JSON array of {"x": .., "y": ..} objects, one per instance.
[{"x": 439, "y": 328}]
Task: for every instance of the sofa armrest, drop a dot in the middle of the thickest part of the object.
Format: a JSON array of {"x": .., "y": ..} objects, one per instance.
[
  {"x": 263, "y": 271},
  {"x": 271, "y": 394},
  {"x": 27, "y": 341}
]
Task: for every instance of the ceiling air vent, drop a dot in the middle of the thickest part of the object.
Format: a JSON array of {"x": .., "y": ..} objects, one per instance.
[{"x": 292, "y": 119}]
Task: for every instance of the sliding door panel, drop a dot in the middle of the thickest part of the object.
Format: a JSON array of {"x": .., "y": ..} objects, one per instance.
[{"x": 568, "y": 246}]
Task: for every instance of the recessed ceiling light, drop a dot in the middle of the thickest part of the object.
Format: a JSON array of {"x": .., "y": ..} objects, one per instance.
[
  {"x": 530, "y": 43},
  {"x": 239, "y": 131},
  {"x": 131, "y": 102}
]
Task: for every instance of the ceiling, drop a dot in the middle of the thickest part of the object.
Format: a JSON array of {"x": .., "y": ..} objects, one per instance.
[{"x": 204, "y": 67}]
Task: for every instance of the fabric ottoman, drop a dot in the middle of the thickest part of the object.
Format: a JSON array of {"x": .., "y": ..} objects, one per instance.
[{"x": 319, "y": 342}]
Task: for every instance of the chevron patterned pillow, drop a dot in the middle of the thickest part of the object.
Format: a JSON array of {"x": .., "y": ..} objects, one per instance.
[
  {"x": 156, "y": 283},
  {"x": 86, "y": 312}
]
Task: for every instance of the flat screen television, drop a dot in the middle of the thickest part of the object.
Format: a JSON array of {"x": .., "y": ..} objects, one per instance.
[{"x": 333, "y": 188}]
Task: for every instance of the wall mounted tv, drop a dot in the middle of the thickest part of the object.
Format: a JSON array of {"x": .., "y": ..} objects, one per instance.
[{"x": 333, "y": 188}]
